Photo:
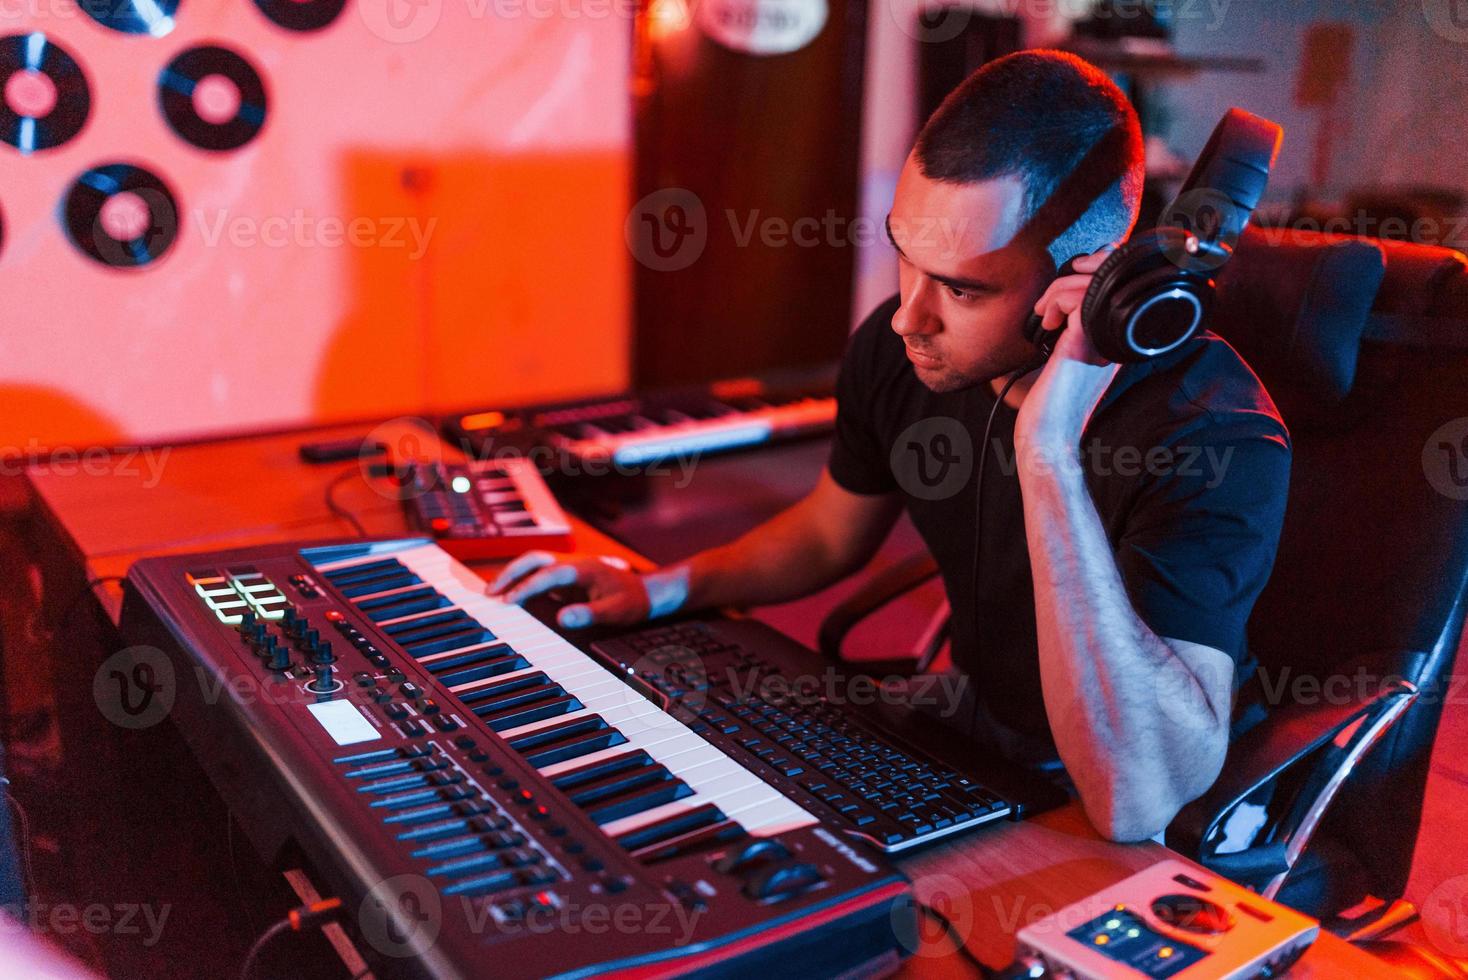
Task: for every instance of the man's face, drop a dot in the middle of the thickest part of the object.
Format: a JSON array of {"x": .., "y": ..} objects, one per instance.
[{"x": 965, "y": 294}]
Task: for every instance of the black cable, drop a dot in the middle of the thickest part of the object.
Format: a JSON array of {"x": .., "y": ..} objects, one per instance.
[
  {"x": 85, "y": 591},
  {"x": 958, "y": 944},
  {"x": 27, "y": 863},
  {"x": 297, "y": 919},
  {"x": 979, "y": 478},
  {"x": 337, "y": 508},
  {"x": 248, "y": 966}
]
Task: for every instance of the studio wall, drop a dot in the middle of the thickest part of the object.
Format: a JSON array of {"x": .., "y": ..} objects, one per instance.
[{"x": 430, "y": 217}]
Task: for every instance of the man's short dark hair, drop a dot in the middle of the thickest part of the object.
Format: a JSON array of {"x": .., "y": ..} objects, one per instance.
[{"x": 1039, "y": 116}]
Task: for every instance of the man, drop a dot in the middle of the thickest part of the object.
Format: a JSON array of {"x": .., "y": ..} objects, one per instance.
[{"x": 1099, "y": 611}]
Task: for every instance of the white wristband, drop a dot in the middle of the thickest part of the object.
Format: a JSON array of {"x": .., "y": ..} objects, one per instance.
[{"x": 667, "y": 591}]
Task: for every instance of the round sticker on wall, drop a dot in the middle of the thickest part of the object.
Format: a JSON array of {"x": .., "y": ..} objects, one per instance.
[{"x": 762, "y": 26}]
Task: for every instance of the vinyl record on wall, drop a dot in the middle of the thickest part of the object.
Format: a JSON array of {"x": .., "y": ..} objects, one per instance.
[
  {"x": 212, "y": 97},
  {"x": 120, "y": 215},
  {"x": 301, "y": 15},
  {"x": 46, "y": 99},
  {"x": 152, "y": 17}
]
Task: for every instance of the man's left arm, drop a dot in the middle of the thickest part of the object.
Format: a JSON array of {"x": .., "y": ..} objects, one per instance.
[{"x": 1141, "y": 720}]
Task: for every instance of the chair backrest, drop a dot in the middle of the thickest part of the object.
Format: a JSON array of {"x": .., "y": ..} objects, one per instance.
[{"x": 1370, "y": 577}]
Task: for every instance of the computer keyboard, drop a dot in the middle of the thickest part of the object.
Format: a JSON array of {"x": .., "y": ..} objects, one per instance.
[{"x": 721, "y": 675}]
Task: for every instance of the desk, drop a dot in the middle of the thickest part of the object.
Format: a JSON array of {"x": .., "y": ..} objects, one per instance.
[{"x": 252, "y": 491}]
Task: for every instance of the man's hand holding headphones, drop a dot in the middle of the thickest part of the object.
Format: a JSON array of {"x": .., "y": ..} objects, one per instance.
[{"x": 1067, "y": 389}]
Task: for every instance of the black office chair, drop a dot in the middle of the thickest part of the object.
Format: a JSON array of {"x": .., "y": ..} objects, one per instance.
[{"x": 1370, "y": 578}]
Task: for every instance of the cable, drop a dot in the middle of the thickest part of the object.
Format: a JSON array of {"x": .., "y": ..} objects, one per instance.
[
  {"x": 296, "y": 920},
  {"x": 983, "y": 458},
  {"x": 27, "y": 865},
  {"x": 337, "y": 508},
  {"x": 85, "y": 591},
  {"x": 958, "y": 944}
]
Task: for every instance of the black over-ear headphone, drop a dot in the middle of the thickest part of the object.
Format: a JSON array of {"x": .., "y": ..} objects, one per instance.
[{"x": 1154, "y": 292}]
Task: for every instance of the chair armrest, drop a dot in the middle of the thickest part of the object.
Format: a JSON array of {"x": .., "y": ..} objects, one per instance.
[
  {"x": 1288, "y": 742},
  {"x": 873, "y": 594}
]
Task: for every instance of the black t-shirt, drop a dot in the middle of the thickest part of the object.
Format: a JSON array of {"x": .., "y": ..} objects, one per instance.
[{"x": 1187, "y": 462}]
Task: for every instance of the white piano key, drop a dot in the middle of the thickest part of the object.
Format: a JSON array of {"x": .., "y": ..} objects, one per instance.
[{"x": 708, "y": 771}]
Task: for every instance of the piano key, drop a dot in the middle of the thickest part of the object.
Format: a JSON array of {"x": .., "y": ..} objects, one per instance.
[
  {"x": 628, "y": 805},
  {"x": 452, "y": 641},
  {"x": 587, "y": 772},
  {"x": 362, "y": 569},
  {"x": 484, "y": 664},
  {"x": 618, "y": 783},
  {"x": 401, "y": 627},
  {"x": 518, "y": 716},
  {"x": 591, "y": 689},
  {"x": 675, "y": 826},
  {"x": 376, "y": 585},
  {"x": 534, "y": 689},
  {"x": 404, "y": 604}
]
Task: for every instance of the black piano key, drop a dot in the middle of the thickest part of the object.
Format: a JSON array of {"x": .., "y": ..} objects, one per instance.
[
  {"x": 516, "y": 699},
  {"x": 450, "y": 661},
  {"x": 602, "y": 767},
  {"x": 618, "y": 784},
  {"x": 559, "y": 732},
  {"x": 502, "y": 662},
  {"x": 637, "y": 801},
  {"x": 718, "y": 835},
  {"x": 374, "y": 586},
  {"x": 675, "y": 826},
  {"x": 575, "y": 748},
  {"x": 424, "y": 622},
  {"x": 516, "y": 717},
  {"x": 454, "y": 641},
  {"x": 370, "y": 569},
  {"x": 535, "y": 678},
  {"x": 385, "y": 608}
]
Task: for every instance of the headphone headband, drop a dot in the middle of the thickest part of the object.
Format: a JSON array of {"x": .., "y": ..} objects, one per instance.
[{"x": 1237, "y": 159}]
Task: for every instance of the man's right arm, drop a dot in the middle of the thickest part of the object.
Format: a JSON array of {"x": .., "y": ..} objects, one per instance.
[{"x": 826, "y": 536}]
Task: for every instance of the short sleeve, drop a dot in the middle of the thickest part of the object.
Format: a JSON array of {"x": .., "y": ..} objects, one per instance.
[
  {"x": 858, "y": 462},
  {"x": 1199, "y": 544}
]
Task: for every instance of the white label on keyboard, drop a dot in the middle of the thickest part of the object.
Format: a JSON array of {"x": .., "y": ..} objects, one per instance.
[{"x": 343, "y": 722}]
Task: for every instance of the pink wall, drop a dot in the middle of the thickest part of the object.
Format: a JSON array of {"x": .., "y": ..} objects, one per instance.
[{"x": 498, "y": 274}]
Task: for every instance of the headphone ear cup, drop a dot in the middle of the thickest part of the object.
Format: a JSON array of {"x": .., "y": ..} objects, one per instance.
[{"x": 1142, "y": 301}]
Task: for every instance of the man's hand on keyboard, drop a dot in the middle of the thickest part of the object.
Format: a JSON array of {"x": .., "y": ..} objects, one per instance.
[{"x": 618, "y": 595}]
